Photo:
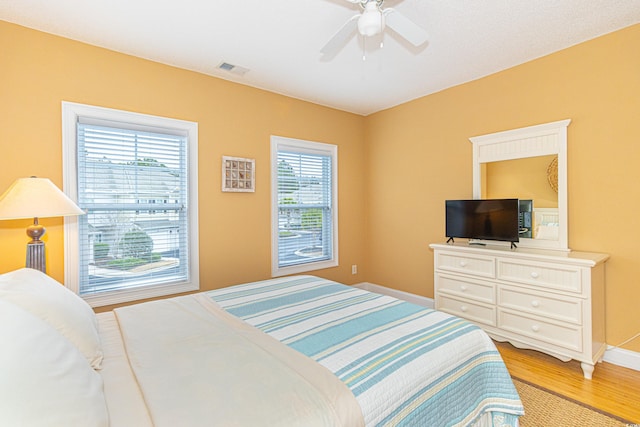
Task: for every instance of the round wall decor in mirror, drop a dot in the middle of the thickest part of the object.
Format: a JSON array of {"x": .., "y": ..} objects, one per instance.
[{"x": 552, "y": 174}]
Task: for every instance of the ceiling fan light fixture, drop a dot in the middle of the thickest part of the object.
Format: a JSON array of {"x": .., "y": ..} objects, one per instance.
[{"x": 371, "y": 22}]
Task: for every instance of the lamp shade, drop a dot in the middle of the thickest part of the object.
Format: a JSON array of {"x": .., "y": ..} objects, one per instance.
[{"x": 36, "y": 198}]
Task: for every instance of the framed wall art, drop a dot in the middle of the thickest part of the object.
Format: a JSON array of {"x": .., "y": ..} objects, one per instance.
[{"x": 238, "y": 174}]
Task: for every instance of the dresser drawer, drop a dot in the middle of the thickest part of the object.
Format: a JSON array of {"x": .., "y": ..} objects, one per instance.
[
  {"x": 553, "y": 276},
  {"x": 561, "y": 335},
  {"x": 467, "y": 310},
  {"x": 476, "y": 265},
  {"x": 464, "y": 287},
  {"x": 554, "y": 306}
]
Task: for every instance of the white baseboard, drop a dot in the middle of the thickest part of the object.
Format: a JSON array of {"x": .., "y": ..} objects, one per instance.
[
  {"x": 617, "y": 356},
  {"x": 406, "y": 296},
  {"x": 621, "y": 357}
]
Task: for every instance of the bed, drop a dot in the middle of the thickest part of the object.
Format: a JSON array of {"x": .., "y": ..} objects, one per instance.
[{"x": 295, "y": 351}]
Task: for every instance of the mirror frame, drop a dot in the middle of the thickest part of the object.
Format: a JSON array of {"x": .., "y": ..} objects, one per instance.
[{"x": 532, "y": 141}]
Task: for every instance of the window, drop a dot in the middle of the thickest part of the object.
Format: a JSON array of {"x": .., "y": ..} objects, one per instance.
[
  {"x": 304, "y": 206},
  {"x": 135, "y": 176}
]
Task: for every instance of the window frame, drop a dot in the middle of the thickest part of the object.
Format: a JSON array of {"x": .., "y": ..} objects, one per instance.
[
  {"x": 71, "y": 112},
  {"x": 308, "y": 147}
]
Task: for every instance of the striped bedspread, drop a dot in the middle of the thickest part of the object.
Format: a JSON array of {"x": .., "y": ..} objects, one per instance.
[{"x": 405, "y": 364}]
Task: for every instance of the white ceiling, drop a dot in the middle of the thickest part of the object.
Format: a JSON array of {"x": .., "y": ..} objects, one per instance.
[{"x": 279, "y": 40}]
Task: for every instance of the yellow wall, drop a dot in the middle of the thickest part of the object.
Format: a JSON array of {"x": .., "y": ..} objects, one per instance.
[
  {"x": 39, "y": 71},
  {"x": 419, "y": 155},
  {"x": 526, "y": 179},
  {"x": 396, "y": 167}
]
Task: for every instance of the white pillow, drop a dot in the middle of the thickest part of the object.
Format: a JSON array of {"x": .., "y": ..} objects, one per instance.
[
  {"x": 47, "y": 299},
  {"x": 44, "y": 379}
]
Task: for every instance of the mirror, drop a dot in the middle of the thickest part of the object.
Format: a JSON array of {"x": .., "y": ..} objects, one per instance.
[
  {"x": 528, "y": 164},
  {"x": 533, "y": 180}
]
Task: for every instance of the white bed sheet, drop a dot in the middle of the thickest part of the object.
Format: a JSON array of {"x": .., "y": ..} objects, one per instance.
[{"x": 125, "y": 403}]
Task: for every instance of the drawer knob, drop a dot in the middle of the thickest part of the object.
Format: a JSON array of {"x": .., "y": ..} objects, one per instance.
[
  {"x": 535, "y": 328},
  {"x": 534, "y": 274},
  {"x": 535, "y": 303},
  {"x": 463, "y": 263},
  {"x": 464, "y": 308},
  {"x": 463, "y": 288}
]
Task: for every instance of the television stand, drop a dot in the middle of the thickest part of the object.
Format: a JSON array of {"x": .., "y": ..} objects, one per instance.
[{"x": 541, "y": 300}]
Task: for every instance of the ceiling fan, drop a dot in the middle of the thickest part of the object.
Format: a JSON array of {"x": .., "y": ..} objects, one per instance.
[{"x": 372, "y": 21}]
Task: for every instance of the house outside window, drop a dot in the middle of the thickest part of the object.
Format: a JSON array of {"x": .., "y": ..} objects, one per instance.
[
  {"x": 135, "y": 176},
  {"x": 304, "y": 182}
]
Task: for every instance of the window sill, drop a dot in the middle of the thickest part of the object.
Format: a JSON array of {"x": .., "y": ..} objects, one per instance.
[
  {"x": 130, "y": 295},
  {"x": 303, "y": 268}
]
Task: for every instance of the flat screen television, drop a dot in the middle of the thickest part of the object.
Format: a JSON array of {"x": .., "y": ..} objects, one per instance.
[{"x": 483, "y": 219}]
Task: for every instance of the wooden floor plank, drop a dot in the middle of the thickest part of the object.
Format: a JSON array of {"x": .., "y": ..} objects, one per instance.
[{"x": 613, "y": 389}]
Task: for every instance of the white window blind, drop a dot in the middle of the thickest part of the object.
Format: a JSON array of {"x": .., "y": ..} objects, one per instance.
[
  {"x": 133, "y": 181},
  {"x": 305, "y": 201},
  {"x": 132, "y": 185}
]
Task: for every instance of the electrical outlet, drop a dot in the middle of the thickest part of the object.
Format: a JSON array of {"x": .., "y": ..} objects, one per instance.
[{"x": 354, "y": 269}]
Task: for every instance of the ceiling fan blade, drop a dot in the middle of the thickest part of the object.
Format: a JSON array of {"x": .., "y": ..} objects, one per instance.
[
  {"x": 405, "y": 27},
  {"x": 340, "y": 38}
]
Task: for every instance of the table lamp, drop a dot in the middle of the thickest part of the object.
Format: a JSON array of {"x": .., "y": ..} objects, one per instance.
[{"x": 36, "y": 198}]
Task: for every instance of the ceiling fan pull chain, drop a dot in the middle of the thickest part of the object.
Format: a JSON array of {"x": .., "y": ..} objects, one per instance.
[
  {"x": 381, "y": 27},
  {"x": 364, "y": 48}
]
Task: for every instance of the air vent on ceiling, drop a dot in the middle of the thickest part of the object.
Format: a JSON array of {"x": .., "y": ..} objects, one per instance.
[{"x": 234, "y": 69}]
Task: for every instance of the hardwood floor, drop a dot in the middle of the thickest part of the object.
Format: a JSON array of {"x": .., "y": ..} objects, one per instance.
[{"x": 613, "y": 389}]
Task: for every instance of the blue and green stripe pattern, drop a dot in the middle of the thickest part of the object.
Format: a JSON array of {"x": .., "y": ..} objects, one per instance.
[{"x": 406, "y": 365}]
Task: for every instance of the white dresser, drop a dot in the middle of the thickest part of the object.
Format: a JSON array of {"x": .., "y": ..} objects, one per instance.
[{"x": 545, "y": 300}]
